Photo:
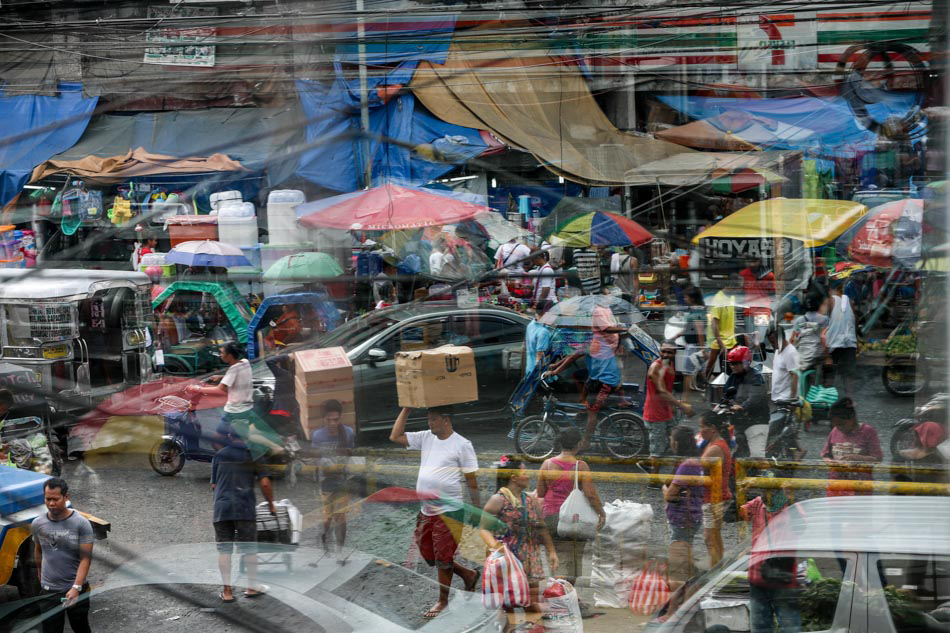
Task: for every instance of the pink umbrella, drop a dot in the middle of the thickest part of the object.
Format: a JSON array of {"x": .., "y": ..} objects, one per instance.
[{"x": 385, "y": 208}]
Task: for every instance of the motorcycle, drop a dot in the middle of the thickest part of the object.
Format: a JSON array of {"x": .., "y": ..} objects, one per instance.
[
  {"x": 782, "y": 443},
  {"x": 905, "y": 436},
  {"x": 184, "y": 439},
  {"x": 750, "y": 440}
]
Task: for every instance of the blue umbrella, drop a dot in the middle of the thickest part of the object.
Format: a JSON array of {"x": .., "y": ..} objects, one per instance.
[{"x": 207, "y": 253}]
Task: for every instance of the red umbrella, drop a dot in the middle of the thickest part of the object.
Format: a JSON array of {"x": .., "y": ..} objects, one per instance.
[{"x": 385, "y": 208}]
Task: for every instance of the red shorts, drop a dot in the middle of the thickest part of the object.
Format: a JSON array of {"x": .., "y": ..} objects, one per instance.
[{"x": 438, "y": 537}]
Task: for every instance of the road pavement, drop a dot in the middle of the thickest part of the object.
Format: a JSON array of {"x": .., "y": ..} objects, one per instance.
[{"x": 164, "y": 524}]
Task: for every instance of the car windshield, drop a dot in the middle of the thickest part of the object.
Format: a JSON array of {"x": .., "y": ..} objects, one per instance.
[{"x": 356, "y": 332}]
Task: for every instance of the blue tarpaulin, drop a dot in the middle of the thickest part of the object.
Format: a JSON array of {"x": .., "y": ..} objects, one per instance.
[
  {"x": 401, "y": 38},
  {"x": 837, "y": 129},
  {"x": 23, "y": 113},
  {"x": 333, "y": 110}
]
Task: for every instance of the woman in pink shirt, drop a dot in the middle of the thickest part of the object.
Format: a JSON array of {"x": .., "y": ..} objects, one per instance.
[
  {"x": 849, "y": 443},
  {"x": 555, "y": 482}
]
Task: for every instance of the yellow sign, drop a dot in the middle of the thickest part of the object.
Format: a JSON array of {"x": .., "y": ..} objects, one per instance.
[{"x": 59, "y": 351}]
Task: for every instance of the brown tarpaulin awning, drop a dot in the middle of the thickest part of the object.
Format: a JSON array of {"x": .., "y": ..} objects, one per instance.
[
  {"x": 541, "y": 104},
  {"x": 134, "y": 164}
]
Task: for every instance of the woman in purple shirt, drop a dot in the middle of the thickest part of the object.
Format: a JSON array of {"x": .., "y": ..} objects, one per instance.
[{"x": 684, "y": 505}]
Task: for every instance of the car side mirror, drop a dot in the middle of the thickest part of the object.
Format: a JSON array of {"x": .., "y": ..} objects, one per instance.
[{"x": 376, "y": 355}]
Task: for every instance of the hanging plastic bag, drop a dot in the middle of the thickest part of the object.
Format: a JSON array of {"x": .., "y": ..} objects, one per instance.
[
  {"x": 562, "y": 608},
  {"x": 650, "y": 590},
  {"x": 576, "y": 519},
  {"x": 504, "y": 583}
]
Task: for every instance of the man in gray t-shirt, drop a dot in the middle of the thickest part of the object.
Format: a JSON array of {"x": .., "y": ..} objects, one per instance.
[{"x": 62, "y": 541}]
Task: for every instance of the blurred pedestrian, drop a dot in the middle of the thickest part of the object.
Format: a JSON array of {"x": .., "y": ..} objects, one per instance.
[
  {"x": 447, "y": 459},
  {"x": 659, "y": 402},
  {"x": 233, "y": 473},
  {"x": 850, "y": 442},
  {"x": 513, "y": 517},
  {"x": 555, "y": 483},
  {"x": 721, "y": 323},
  {"x": 543, "y": 295},
  {"x": 713, "y": 429},
  {"x": 695, "y": 336},
  {"x": 625, "y": 268},
  {"x": 684, "y": 505},
  {"x": 537, "y": 340},
  {"x": 808, "y": 334},
  {"x": 841, "y": 337},
  {"x": 333, "y": 444},
  {"x": 587, "y": 263},
  {"x": 62, "y": 546}
]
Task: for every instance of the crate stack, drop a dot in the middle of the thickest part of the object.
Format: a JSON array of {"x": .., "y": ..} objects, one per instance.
[{"x": 321, "y": 375}]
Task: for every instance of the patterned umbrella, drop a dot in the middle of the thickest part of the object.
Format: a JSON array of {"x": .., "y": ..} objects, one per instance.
[
  {"x": 207, "y": 253},
  {"x": 600, "y": 227}
]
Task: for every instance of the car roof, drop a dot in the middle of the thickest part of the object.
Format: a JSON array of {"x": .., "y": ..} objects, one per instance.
[
  {"x": 407, "y": 311},
  {"x": 880, "y": 524}
]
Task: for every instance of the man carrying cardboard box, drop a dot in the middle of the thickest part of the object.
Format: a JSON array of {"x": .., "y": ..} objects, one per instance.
[{"x": 447, "y": 460}]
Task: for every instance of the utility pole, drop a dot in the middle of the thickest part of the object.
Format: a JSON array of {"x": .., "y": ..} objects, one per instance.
[{"x": 364, "y": 97}]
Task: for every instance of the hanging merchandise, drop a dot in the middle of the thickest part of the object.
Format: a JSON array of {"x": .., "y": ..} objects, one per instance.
[
  {"x": 90, "y": 203},
  {"x": 121, "y": 211}
]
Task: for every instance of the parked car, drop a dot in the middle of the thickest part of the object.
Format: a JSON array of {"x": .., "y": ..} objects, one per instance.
[
  {"x": 495, "y": 334},
  {"x": 879, "y": 564}
]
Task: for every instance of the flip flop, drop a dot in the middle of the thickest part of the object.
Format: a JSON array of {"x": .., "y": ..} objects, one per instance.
[
  {"x": 432, "y": 613},
  {"x": 474, "y": 584},
  {"x": 225, "y": 600},
  {"x": 260, "y": 591}
]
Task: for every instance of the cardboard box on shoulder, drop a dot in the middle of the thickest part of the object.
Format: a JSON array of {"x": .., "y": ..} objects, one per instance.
[
  {"x": 321, "y": 375},
  {"x": 436, "y": 377}
]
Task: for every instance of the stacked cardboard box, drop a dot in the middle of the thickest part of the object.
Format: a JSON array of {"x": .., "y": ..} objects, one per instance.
[
  {"x": 436, "y": 377},
  {"x": 321, "y": 375}
]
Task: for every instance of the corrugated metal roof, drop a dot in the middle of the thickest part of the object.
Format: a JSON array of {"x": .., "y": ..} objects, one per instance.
[{"x": 886, "y": 524}]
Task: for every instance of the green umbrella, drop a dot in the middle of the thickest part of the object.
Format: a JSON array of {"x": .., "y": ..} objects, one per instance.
[{"x": 303, "y": 267}]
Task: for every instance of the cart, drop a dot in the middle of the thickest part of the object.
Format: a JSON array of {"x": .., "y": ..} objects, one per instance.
[{"x": 277, "y": 535}]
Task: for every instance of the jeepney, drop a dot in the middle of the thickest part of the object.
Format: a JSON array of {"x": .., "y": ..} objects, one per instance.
[{"x": 85, "y": 334}]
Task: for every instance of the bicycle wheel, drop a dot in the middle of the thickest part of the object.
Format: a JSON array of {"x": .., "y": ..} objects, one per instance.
[
  {"x": 623, "y": 435},
  {"x": 535, "y": 437},
  {"x": 902, "y": 378}
]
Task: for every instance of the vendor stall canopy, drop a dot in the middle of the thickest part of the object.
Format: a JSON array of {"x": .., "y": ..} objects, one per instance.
[
  {"x": 814, "y": 222},
  {"x": 539, "y": 104},
  {"x": 38, "y": 127},
  {"x": 114, "y": 148}
]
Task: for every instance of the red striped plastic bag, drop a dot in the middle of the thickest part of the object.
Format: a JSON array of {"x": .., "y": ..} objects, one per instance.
[
  {"x": 504, "y": 583},
  {"x": 650, "y": 590}
]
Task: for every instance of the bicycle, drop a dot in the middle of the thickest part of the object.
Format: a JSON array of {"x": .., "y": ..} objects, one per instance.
[{"x": 621, "y": 433}]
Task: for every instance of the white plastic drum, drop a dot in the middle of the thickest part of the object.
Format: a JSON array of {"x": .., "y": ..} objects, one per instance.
[
  {"x": 237, "y": 224},
  {"x": 282, "y": 216}
]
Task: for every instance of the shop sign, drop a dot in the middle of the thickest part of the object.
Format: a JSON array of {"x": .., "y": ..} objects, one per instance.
[{"x": 180, "y": 47}]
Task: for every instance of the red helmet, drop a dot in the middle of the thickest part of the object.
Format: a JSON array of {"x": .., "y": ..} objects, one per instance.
[{"x": 739, "y": 354}]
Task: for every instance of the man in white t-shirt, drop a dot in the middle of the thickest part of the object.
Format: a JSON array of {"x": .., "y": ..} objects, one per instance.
[
  {"x": 238, "y": 421},
  {"x": 510, "y": 255},
  {"x": 544, "y": 282},
  {"x": 784, "y": 366},
  {"x": 448, "y": 459}
]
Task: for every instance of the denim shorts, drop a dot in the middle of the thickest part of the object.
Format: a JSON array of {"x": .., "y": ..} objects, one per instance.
[{"x": 683, "y": 533}]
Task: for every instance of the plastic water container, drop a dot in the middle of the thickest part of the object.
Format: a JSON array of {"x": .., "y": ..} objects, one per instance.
[
  {"x": 237, "y": 223},
  {"x": 282, "y": 216},
  {"x": 219, "y": 197}
]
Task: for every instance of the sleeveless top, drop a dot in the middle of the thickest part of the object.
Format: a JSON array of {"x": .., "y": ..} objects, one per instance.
[
  {"x": 559, "y": 488},
  {"x": 655, "y": 408},
  {"x": 840, "y": 333},
  {"x": 726, "y": 470}
]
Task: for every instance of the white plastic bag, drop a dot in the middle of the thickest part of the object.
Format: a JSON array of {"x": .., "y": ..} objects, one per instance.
[
  {"x": 576, "y": 518},
  {"x": 563, "y": 609}
]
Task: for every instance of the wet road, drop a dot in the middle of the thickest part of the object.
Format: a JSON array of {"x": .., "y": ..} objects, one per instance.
[{"x": 158, "y": 518}]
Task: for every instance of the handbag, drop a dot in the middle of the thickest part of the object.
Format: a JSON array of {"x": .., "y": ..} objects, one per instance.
[
  {"x": 504, "y": 583},
  {"x": 576, "y": 519},
  {"x": 650, "y": 589}
]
